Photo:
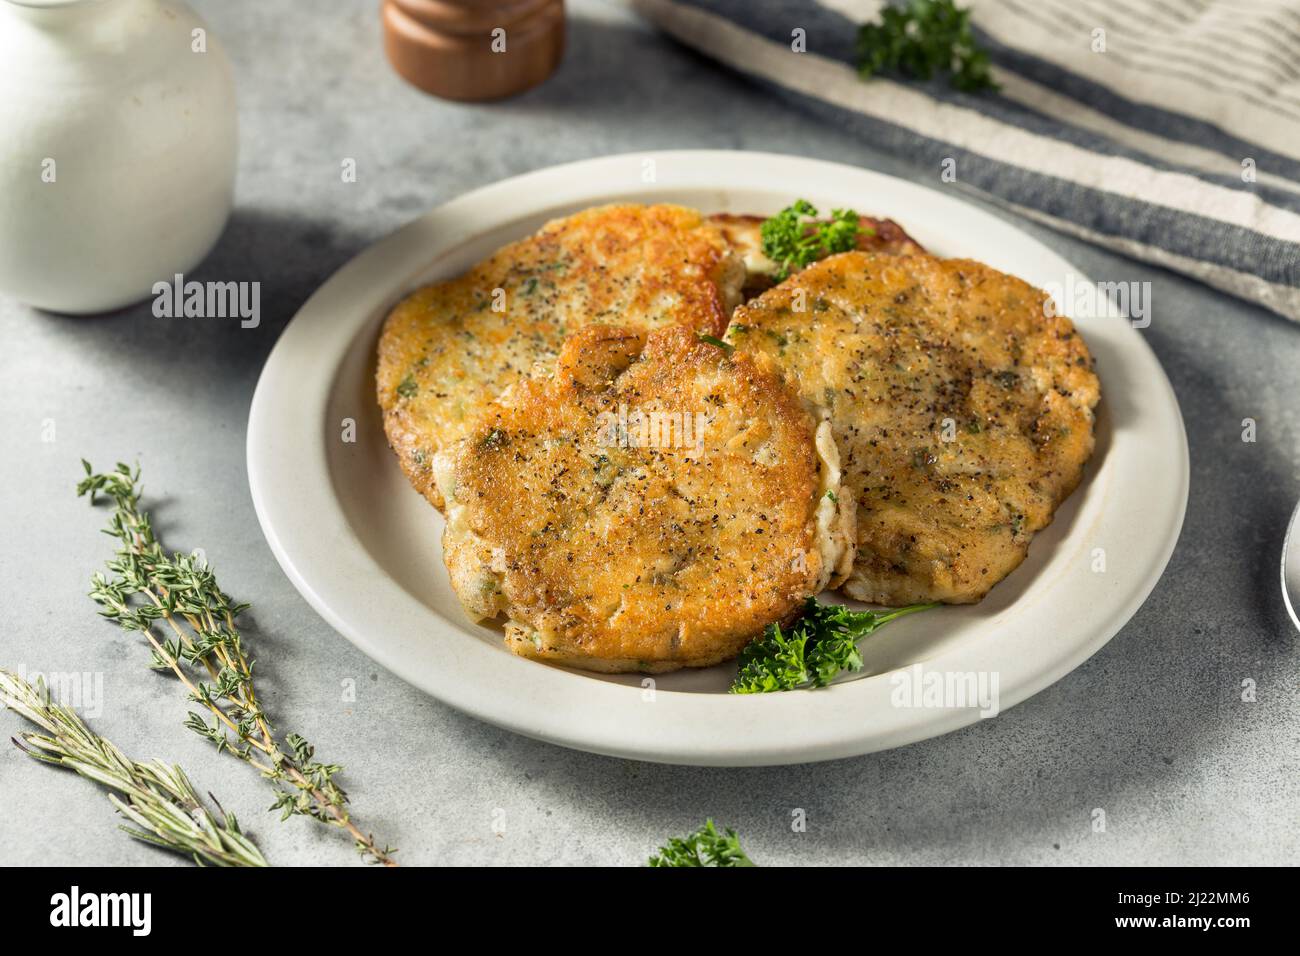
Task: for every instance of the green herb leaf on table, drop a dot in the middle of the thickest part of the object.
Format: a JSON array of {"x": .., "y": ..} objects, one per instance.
[
  {"x": 925, "y": 38},
  {"x": 818, "y": 647},
  {"x": 705, "y": 847},
  {"x": 191, "y": 626},
  {"x": 156, "y": 797},
  {"x": 794, "y": 238}
]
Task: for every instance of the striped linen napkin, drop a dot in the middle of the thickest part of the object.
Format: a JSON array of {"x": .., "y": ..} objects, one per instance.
[{"x": 1167, "y": 130}]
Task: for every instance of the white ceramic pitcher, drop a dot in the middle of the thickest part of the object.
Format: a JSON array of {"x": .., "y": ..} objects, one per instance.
[{"x": 117, "y": 149}]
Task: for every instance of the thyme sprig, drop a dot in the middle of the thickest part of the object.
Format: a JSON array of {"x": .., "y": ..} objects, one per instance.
[
  {"x": 813, "y": 651},
  {"x": 156, "y": 797},
  {"x": 190, "y": 624},
  {"x": 705, "y": 847}
]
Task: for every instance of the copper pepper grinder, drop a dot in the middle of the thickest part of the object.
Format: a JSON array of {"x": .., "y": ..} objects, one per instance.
[{"x": 474, "y": 49}]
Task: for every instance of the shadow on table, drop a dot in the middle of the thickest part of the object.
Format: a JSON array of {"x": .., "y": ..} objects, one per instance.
[{"x": 288, "y": 257}]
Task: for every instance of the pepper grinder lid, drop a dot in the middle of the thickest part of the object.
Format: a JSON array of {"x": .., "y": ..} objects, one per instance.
[{"x": 474, "y": 49}]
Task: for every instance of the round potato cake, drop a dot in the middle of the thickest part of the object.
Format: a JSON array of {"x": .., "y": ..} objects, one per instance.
[
  {"x": 651, "y": 505},
  {"x": 450, "y": 348},
  {"x": 962, "y": 410}
]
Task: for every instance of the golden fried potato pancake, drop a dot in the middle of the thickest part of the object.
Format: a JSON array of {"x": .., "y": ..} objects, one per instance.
[
  {"x": 451, "y": 348},
  {"x": 745, "y": 234},
  {"x": 651, "y": 505},
  {"x": 962, "y": 412}
]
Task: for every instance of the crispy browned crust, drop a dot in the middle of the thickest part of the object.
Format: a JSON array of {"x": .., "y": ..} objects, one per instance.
[
  {"x": 963, "y": 413},
  {"x": 450, "y": 348},
  {"x": 619, "y": 558}
]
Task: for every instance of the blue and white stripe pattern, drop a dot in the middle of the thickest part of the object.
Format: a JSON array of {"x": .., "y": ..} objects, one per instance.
[{"x": 1167, "y": 130}]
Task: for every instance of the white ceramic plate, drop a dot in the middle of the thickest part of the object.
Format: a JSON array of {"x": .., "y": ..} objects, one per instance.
[{"x": 364, "y": 549}]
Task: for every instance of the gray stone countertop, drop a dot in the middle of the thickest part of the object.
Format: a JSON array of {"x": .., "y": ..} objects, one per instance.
[{"x": 1153, "y": 729}]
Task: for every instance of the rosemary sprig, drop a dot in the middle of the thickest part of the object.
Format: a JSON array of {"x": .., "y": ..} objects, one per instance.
[
  {"x": 817, "y": 647},
  {"x": 705, "y": 847},
  {"x": 190, "y": 624},
  {"x": 158, "y": 798}
]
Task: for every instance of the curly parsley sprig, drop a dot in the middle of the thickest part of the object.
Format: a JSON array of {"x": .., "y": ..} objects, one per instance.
[
  {"x": 191, "y": 627},
  {"x": 794, "y": 238},
  {"x": 705, "y": 847},
  {"x": 925, "y": 38},
  {"x": 816, "y": 649}
]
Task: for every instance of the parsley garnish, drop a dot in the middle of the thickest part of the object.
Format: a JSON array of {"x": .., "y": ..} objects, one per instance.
[
  {"x": 924, "y": 38},
  {"x": 408, "y": 387},
  {"x": 816, "y": 649},
  {"x": 705, "y": 847},
  {"x": 794, "y": 239}
]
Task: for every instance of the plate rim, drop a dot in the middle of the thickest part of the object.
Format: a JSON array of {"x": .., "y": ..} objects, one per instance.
[{"x": 546, "y": 710}]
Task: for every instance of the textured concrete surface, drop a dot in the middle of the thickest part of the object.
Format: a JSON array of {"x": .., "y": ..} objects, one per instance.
[{"x": 1152, "y": 730}]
